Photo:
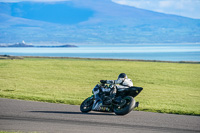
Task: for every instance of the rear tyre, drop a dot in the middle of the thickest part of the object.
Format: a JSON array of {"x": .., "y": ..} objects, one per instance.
[
  {"x": 86, "y": 105},
  {"x": 129, "y": 105}
]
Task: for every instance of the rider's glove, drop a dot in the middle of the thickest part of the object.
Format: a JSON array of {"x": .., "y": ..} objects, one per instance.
[{"x": 103, "y": 81}]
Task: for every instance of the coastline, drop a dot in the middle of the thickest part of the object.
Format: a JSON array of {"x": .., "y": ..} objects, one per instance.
[{"x": 109, "y": 59}]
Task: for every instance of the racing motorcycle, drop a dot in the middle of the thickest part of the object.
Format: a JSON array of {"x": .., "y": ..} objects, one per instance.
[{"x": 104, "y": 103}]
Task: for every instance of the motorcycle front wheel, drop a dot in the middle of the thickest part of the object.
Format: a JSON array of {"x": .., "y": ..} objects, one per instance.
[
  {"x": 125, "y": 109},
  {"x": 86, "y": 105}
]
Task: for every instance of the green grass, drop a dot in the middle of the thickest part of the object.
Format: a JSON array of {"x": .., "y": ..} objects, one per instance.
[{"x": 168, "y": 87}]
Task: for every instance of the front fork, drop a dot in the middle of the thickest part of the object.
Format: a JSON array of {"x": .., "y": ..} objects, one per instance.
[{"x": 98, "y": 105}]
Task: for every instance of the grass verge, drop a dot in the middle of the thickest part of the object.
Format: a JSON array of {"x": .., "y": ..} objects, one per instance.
[{"x": 168, "y": 87}]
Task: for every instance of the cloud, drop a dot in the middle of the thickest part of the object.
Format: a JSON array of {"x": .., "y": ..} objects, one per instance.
[
  {"x": 165, "y": 4},
  {"x": 187, "y": 8}
]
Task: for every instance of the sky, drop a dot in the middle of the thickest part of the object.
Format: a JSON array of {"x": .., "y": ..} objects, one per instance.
[{"x": 186, "y": 8}]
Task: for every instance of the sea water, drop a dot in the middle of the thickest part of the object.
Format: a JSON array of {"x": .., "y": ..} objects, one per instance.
[{"x": 185, "y": 52}]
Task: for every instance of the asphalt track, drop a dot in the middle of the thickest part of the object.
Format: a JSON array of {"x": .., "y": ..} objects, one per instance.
[{"x": 25, "y": 116}]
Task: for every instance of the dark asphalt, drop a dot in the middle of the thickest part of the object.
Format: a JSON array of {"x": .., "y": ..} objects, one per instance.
[{"x": 18, "y": 115}]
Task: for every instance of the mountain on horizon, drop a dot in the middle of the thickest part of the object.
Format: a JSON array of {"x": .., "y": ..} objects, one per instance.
[{"x": 92, "y": 21}]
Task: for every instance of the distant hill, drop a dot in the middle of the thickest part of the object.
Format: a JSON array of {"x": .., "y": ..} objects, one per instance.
[
  {"x": 59, "y": 46},
  {"x": 19, "y": 45},
  {"x": 92, "y": 21},
  {"x": 26, "y": 45}
]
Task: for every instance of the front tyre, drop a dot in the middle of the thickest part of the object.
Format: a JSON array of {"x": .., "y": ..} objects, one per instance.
[
  {"x": 86, "y": 105},
  {"x": 125, "y": 109}
]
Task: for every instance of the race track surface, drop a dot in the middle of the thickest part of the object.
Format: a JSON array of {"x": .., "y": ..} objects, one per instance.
[{"x": 25, "y": 116}]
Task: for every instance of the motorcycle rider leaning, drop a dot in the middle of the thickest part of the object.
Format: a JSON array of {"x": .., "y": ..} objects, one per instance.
[{"x": 123, "y": 81}]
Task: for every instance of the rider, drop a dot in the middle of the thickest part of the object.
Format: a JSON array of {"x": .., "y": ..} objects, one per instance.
[{"x": 123, "y": 81}]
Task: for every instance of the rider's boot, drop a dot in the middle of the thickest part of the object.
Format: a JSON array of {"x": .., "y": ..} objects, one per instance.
[
  {"x": 136, "y": 104},
  {"x": 115, "y": 100}
]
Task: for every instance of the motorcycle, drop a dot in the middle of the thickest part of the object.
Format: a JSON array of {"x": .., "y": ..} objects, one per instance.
[{"x": 101, "y": 100}]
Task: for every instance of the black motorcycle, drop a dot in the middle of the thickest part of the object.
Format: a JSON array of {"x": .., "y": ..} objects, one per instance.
[{"x": 121, "y": 104}]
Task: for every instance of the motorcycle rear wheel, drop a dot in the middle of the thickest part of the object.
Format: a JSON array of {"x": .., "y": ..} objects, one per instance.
[
  {"x": 130, "y": 103},
  {"x": 86, "y": 105}
]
